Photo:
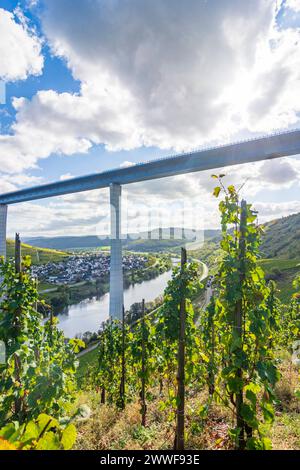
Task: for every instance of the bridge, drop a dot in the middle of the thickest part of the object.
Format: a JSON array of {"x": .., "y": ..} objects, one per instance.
[{"x": 269, "y": 147}]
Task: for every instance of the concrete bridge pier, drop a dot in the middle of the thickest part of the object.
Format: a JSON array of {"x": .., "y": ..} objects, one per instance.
[
  {"x": 116, "y": 266},
  {"x": 3, "y": 222}
]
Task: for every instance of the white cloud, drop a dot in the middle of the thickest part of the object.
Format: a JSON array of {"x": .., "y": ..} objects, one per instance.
[
  {"x": 20, "y": 48},
  {"x": 64, "y": 124},
  {"x": 163, "y": 74},
  {"x": 66, "y": 176},
  {"x": 272, "y": 210},
  {"x": 126, "y": 164},
  {"x": 167, "y": 74},
  {"x": 257, "y": 177},
  {"x": 10, "y": 183},
  {"x": 194, "y": 72},
  {"x": 293, "y": 5},
  {"x": 75, "y": 214},
  {"x": 284, "y": 173}
]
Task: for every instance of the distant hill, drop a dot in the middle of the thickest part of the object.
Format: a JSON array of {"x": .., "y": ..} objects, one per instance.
[
  {"x": 134, "y": 242},
  {"x": 280, "y": 253},
  {"x": 38, "y": 255},
  {"x": 282, "y": 238},
  {"x": 68, "y": 243}
]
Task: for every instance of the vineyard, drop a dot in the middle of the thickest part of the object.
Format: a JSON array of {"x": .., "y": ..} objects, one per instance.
[
  {"x": 184, "y": 377},
  {"x": 37, "y": 255}
]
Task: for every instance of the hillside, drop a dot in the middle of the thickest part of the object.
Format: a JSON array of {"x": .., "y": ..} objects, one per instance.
[
  {"x": 283, "y": 272},
  {"x": 282, "y": 238},
  {"x": 38, "y": 255},
  {"x": 280, "y": 253}
]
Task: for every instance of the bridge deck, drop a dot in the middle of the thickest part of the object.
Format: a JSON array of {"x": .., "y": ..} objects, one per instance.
[{"x": 264, "y": 148}]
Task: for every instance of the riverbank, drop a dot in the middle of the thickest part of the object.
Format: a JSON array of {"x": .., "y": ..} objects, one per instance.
[
  {"x": 60, "y": 297},
  {"x": 89, "y": 315}
]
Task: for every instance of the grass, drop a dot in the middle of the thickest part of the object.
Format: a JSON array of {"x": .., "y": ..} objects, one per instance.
[
  {"x": 43, "y": 285},
  {"x": 110, "y": 429},
  {"x": 285, "y": 434},
  {"x": 38, "y": 255},
  {"x": 282, "y": 264},
  {"x": 87, "y": 360},
  {"x": 283, "y": 271}
]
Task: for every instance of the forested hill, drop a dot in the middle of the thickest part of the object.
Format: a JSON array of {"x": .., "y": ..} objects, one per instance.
[{"x": 282, "y": 238}]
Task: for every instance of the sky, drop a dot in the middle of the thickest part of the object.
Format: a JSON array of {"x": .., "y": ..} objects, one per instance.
[{"x": 98, "y": 84}]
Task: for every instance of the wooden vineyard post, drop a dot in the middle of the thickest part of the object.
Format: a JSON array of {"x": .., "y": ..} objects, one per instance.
[
  {"x": 17, "y": 322},
  {"x": 123, "y": 371},
  {"x": 51, "y": 327},
  {"x": 102, "y": 350},
  {"x": 18, "y": 253},
  {"x": 103, "y": 396},
  {"x": 179, "y": 440},
  {"x": 238, "y": 325},
  {"x": 143, "y": 381},
  {"x": 211, "y": 325}
]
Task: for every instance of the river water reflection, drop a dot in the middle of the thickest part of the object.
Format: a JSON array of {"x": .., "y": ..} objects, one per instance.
[{"x": 89, "y": 314}]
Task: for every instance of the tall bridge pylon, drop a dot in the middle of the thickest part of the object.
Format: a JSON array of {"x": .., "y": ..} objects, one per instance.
[{"x": 116, "y": 265}]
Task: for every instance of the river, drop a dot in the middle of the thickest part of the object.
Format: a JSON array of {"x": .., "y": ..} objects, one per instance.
[{"x": 89, "y": 314}]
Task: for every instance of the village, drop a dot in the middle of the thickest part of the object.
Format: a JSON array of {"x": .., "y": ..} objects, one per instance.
[{"x": 84, "y": 267}]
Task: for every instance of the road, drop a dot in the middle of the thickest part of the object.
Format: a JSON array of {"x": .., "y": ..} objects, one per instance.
[
  {"x": 87, "y": 350},
  {"x": 55, "y": 288},
  {"x": 208, "y": 296},
  {"x": 204, "y": 270}
]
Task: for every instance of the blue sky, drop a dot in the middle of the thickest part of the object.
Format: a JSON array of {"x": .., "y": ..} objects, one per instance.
[{"x": 96, "y": 85}]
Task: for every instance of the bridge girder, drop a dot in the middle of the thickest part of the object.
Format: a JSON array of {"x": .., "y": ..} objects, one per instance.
[{"x": 265, "y": 148}]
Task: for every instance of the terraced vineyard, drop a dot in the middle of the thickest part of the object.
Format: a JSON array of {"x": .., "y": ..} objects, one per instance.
[
  {"x": 37, "y": 255},
  {"x": 283, "y": 272}
]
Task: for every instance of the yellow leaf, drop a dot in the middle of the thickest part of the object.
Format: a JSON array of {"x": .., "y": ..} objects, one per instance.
[
  {"x": 6, "y": 445},
  {"x": 69, "y": 437}
]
